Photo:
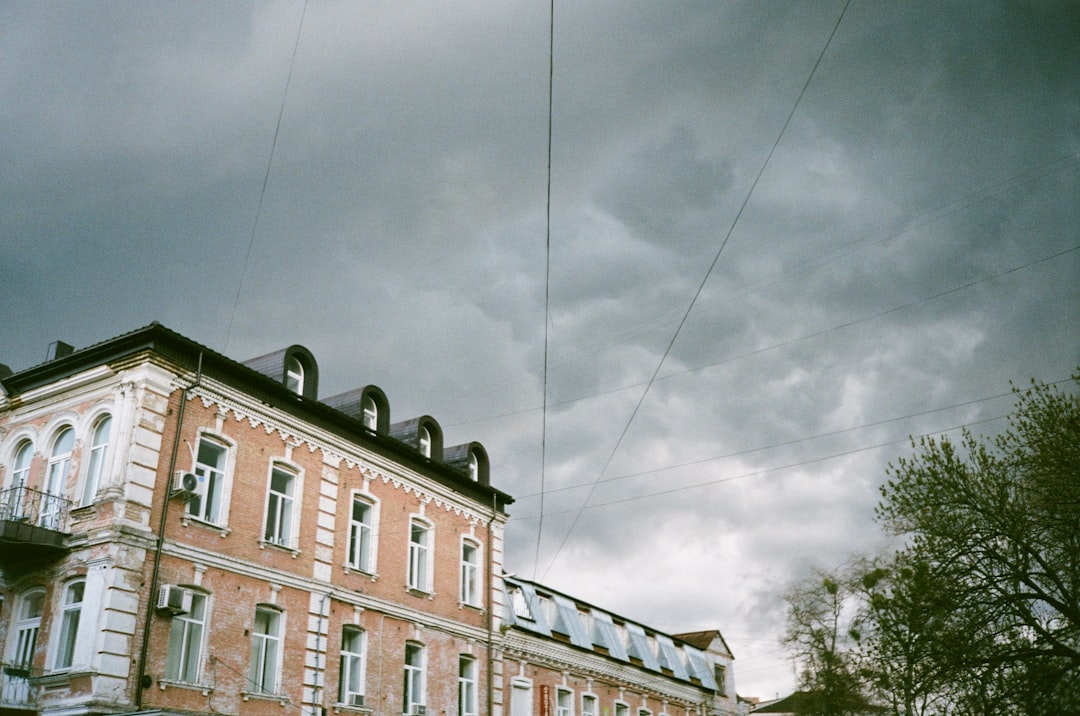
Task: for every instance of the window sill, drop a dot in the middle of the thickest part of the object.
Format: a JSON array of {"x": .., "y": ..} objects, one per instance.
[
  {"x": 473, "y": 607},
  {"x": 205, "y": 689},
  {"x": 188, "y": 520},
  {"x": 373, "y": 576},
  {"x": 263, "y": 696},
  {"x": 351, "y": 708},
  {"x": 422, "y": 593},
  {"x": 263, "y": 544}
]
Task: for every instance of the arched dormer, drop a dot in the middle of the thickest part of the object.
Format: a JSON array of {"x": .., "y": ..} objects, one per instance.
[
  {"x": 294, "y": 367},
  {"x": 471, "y": 459},
  {"x": 369, "y": 405},
  {"x": 423, "y": 434}
]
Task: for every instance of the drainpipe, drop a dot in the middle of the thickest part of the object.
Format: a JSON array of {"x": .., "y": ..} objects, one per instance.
[
  {"x": 316, "y": 695},
  {"x": 490, "y": 605},
  {"x": 140, "y": 674}
]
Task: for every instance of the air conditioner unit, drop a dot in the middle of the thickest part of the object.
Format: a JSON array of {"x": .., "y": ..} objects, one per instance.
[
  {"x": 185, "y": 482},
  {"x": 419, "y": 710},
  {"x": 173, "y": 599}
]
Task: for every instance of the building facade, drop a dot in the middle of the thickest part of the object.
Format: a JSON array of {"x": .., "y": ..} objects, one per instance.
[{"x": 183, "y": 533}]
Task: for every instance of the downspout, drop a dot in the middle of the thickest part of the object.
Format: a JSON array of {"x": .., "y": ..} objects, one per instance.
[
  {"x": 144, "y": 648},
  {"x": 490, "y": 605},
  {"x": 316, "y": 695}
]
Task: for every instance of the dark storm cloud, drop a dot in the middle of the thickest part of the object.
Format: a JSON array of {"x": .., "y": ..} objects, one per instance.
[{"x": 909, "y": 249}]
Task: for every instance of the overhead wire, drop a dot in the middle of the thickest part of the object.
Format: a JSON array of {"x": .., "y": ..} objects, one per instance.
[
  {"x": 265, "y": 182},
  {"x": 701, "y": 286},
  {"x": 547, "y": 280}
]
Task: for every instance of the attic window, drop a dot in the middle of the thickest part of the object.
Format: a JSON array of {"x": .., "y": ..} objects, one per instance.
[
  {"x": 424, "y": 441},
  {"x": 369, "y": 413},
  {"x": 520, "y": 604},
  {"x": 294, "y": 375},
  {"x": 474, "y": 467}
]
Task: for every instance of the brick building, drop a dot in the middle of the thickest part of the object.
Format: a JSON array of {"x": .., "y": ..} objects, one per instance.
[{"x": 183, "y": 533}]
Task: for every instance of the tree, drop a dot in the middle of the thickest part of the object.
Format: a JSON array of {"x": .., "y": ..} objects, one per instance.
[
  {"x": 821, "y": 633},
  {"x": 996, "y": 529}
]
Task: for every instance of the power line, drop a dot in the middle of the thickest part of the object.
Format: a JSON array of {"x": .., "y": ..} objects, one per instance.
[
  {"x": 704, "y": 280},
  {"x": 266, "y": 180},
  {"x": 547, "y": 282}
]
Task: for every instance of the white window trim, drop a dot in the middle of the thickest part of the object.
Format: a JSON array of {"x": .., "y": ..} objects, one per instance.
[
  {"x": 478, "y": 572},
  {"x": 369, "y": 416},
  {"x": 255, "y": 688},
  {"x": 97, "y": 459},
  {"x": 373, "y": 541},
  {"x": 426, "y": 584},
  {"x": 595, "y": 702},
  {"x": 291, "y": 540},
  {"x": 229, "y": 474},
  {"x": 418, "y": 672},
  {"x": 569, "y": 710},
  {"x": 64, "y": 610},
  {"x": 344, "y": 696},
  {"x": 186, "y": 645},
  {"x": 471, "y": 682}
]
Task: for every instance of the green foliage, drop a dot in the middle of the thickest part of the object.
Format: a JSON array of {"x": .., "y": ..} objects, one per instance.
[{"x": 979, "y": 611}]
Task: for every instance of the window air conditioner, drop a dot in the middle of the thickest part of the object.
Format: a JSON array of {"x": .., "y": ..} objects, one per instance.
[
  {"x": 173, "y": 599},
  {"x": 185, "y": 482}
]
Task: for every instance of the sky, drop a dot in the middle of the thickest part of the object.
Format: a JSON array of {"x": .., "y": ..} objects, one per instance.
[{"x": 783, "y": 238}]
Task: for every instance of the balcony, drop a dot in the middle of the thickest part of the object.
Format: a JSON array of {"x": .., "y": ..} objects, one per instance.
[
  {"x": 16, "y": 693},
  {"x": 33, "y": 526}
]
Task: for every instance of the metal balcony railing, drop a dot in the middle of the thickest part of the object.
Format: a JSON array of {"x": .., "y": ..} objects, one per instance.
[
  {"x": 15, "y": 689},
  {"x": 41, "y": 509}
]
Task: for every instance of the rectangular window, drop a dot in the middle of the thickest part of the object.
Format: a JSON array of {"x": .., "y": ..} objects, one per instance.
[
  {"x": 279, "y": 507},
  {"x": 621, "y": 709},
  {"x": 360, "y": 530},
  {"x": 419, "y": 556},
  {"x": 351, "y": 689},
  {"x": 466, "y": 686},
  {"x": 205, "y": 504},
  {"x": 265, "y": 647},
  {"x": 588, "y": 705},
  {"x": 414, "y": 678},
  {"x": 184, "y": 657},
  {"x": 721, "y": 679},
  {"x": 564, "y": 702},
  {"x": 470, "y": 573},
  {"x": 69, "y": 624}
]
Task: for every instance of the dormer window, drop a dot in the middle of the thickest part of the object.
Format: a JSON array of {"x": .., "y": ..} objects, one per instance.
[
  {"x": 369, "y": 413},
  {"x": 474, "y": 467},
  {"x": 424, "y": 441},
  {"x": 294, "y": 375}
]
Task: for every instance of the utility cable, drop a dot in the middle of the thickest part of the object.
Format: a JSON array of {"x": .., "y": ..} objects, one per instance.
[
  {"x": 701, "y": 286},
  {"x": 265, "y": 181},
  {"x": 547, "y": 282}
]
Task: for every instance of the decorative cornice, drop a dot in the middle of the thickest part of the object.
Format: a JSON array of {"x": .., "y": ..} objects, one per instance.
[{"x": 336, "y": 451}]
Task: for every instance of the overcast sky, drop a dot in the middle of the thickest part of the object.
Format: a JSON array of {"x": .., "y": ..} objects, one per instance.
[{"x": 911, "y": 247}]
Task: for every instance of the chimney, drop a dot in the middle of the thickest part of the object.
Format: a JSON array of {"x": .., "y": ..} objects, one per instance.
[{"x": 59, "y": 349}]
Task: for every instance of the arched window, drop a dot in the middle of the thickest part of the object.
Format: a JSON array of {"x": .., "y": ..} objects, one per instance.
[
  {"x": 56, "y": 477},
  {"x": 98, "y": 450},
  {"x": 15, "y": 504},
  {"x": 423, "y": 440},
  {"x": 474, "y": 467},
  {"x": 27, "y": 627},
  {"x": 294, "y": 375},
  {"x": 70, "y": 612},
  {"x": 369, "y": 413}
]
